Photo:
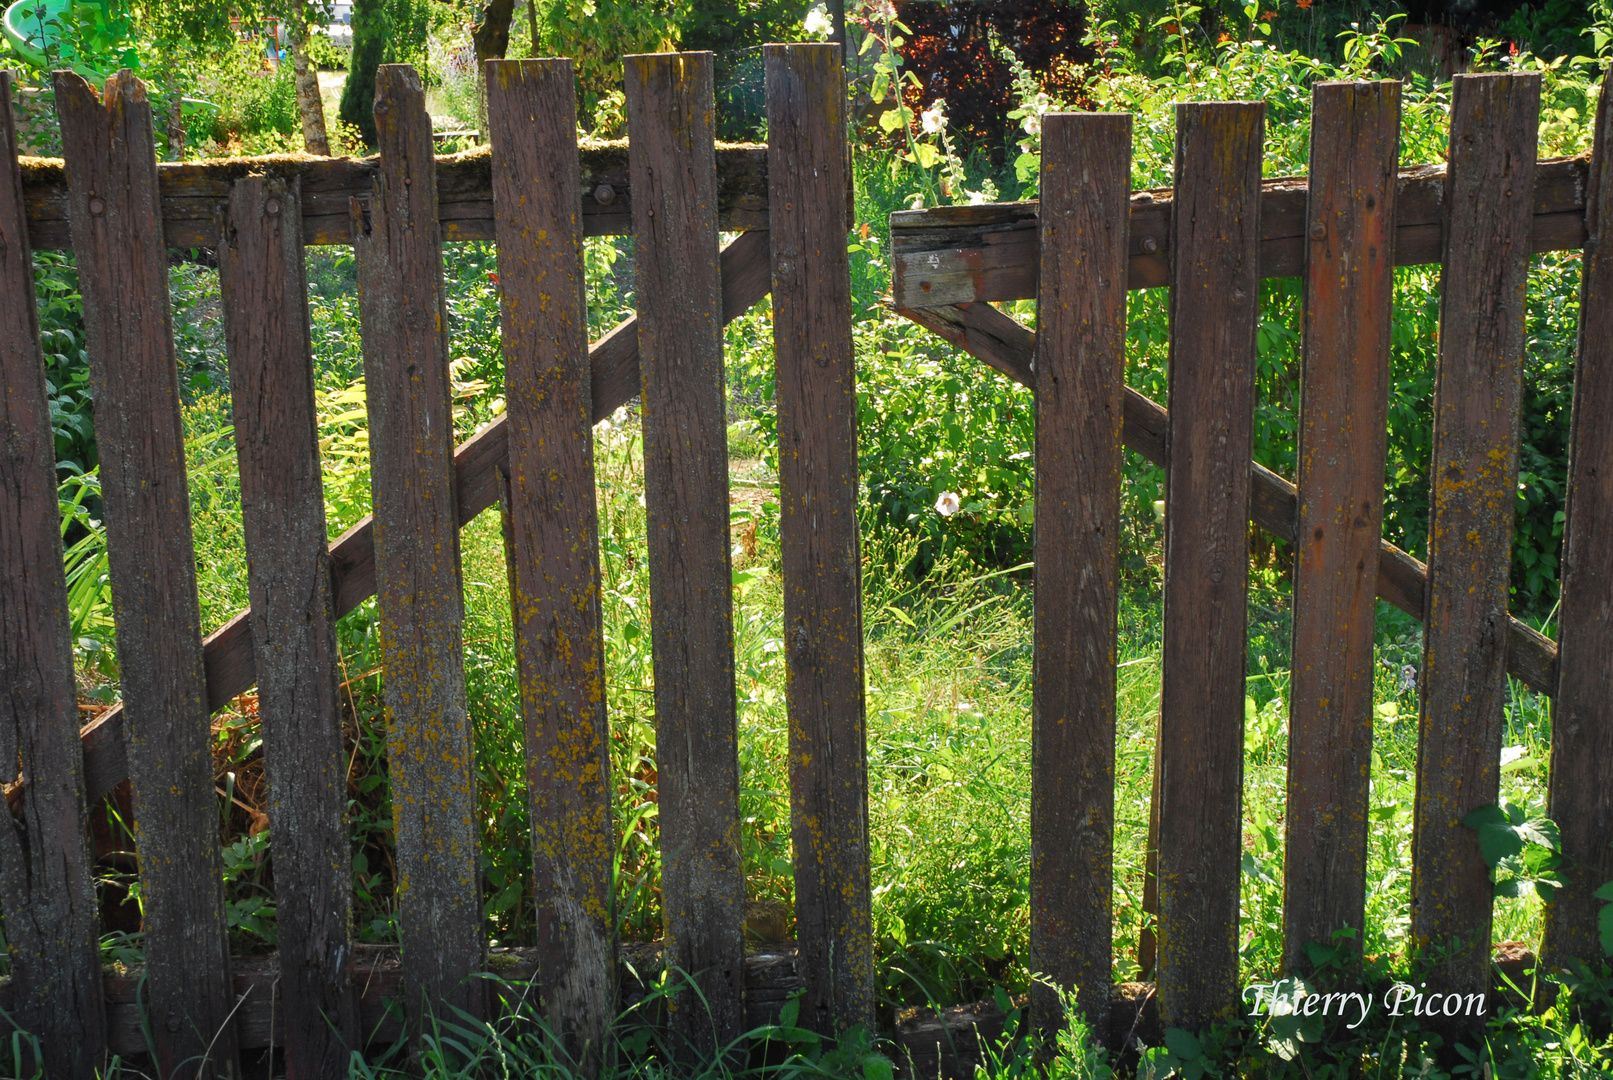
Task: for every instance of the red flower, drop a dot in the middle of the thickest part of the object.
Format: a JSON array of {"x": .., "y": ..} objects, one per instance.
[
  {"x": 492, "y": 277},
  {"x": 1303, "y": 3}
]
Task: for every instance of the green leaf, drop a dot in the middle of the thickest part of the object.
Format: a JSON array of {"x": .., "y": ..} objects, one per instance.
[
  {"x": 1604, "y": 923},
  {"x": 877, "y": 1067},
  {"x": 1605, "y": 892},
  {"x": 1183, "y": 1044}
]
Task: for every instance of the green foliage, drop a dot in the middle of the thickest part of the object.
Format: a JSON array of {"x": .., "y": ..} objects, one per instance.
[
  {"x": 596, "y": 34},
  {"x": 370, "y": 30},
  {"x": 1604, "y": 917},
  {"x": 1521, "y": 849},
  {"x": 251, "y": 100}
]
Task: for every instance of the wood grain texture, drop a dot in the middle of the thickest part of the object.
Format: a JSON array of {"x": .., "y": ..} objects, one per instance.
[
  {"x": 1080, "y": 370},
  {"x": 553, "y": 543},
  {"x": 1215, "y": 295},
  {"x": 265, "y": 301},
  {"x": 1581, "y": 796},
  {"x": 192, "y": 192},
  {"x": 123, "y": 276},
  {"x": 1462, "y": 684},
  {"x": 1344, "y": 395},
  {"x": 228, "y": 651},
  {"x": 961, "y": 254},
  {"x": 671, "y": 119},
  {"x": 404, "y": 323},
  {"x": 999, "y": 341},
  {"x": 45, "y": 873},
  {"x": 817, "y": 425}
]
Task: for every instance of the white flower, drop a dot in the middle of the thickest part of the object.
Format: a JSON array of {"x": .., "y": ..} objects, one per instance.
[
  {"x": 1032, "y": 123},
  {"x": 818, "y": 23},
  {"x": 947, "y": 504},
  {"x": 883, "y": 10},
  {"x": 934, "y": 120}
]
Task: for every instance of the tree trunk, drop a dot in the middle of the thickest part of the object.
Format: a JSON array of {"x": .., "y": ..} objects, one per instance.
[
  {"x": 491, "y": 36},
  {"x": 310, "y": 104},
  {"x": 176, "y": 125}
]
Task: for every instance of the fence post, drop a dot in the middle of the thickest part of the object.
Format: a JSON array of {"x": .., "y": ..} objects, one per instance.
[
  {"x": 672, "y": 157},
  {"x": 1215, "y": 304},
  {"x": 817, "y": 424},
  {"x": 123, "y": 275},
  {"x": 1080, "y": 376},
  {"x": 1463, "y": 682},
  {"x": 1582, "y": 726},
  {"x": 1349, "y": 287},
  {"x": 264, "y": 287},
  {"x": 553, "y": 542},
  {"x": 404, "y": 324},
  {"x": 45, "y": 877}
]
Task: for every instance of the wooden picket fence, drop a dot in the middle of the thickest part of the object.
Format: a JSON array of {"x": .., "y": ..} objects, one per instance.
[{"x": 536, "y": 194}]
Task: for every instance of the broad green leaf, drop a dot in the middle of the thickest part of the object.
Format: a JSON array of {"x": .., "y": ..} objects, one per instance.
[{"x": 1183, "y": 1044}]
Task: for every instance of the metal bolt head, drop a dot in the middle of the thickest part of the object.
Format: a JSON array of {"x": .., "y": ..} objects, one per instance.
[
  {"x": 1150, "y": 245},
  {"x": 604, "y": 194},
  {"x": 97, "y": 207},
  {"x": 1318, "y": 230},
  {"x": 272, "y": 207}
]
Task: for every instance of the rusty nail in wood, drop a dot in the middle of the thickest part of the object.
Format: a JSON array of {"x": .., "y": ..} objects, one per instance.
[
  {"x": 1150, "y": 245},
  {"x": 604, "y": 194},
  {"x": 272, "y": 207},
  {"x": 97, "y": 207},
  {"x": 1319, "y": 230}
]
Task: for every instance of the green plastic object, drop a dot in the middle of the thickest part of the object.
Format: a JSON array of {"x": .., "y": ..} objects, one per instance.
[
  {"x": 32, "y": 34},
  {"x": 28, "y": 38}
]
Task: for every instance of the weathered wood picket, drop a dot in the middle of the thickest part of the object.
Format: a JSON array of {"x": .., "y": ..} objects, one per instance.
[{"x": 1211, "y": 239}]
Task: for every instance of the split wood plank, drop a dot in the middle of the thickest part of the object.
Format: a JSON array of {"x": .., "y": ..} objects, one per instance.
[
  {"x": 46, "y": 881},
  {"x": 264, "y": 287},
  {"x": 671, "y": 118},
  {"x": 1080, "y": 369},
  {"x": 997, "y": 340},
  {"x": 192, "y": 191},
  {"x": 1215, "y": 305},
  {"x": 1581, "y": 796},
  {"x": 817, "y": 425},
  {"x": 1344, "y": 396},
  {"x": 123, "y": 276},
  {"x": 962, "y": 254},
  {"x": 404, "y": 323},
  {"x": 1463, "y": 684},
  {"x": 552, "y": 544},
  {"x": 228, "y": 651}
]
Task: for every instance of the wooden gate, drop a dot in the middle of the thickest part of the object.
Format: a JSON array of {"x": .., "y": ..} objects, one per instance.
[{"x": 1211, "y": 239}]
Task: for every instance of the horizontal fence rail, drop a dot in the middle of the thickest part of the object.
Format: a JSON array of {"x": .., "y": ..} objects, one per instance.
[
  {"x": 961, "y": 254},
  {"x": 191, "y": 193}
]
